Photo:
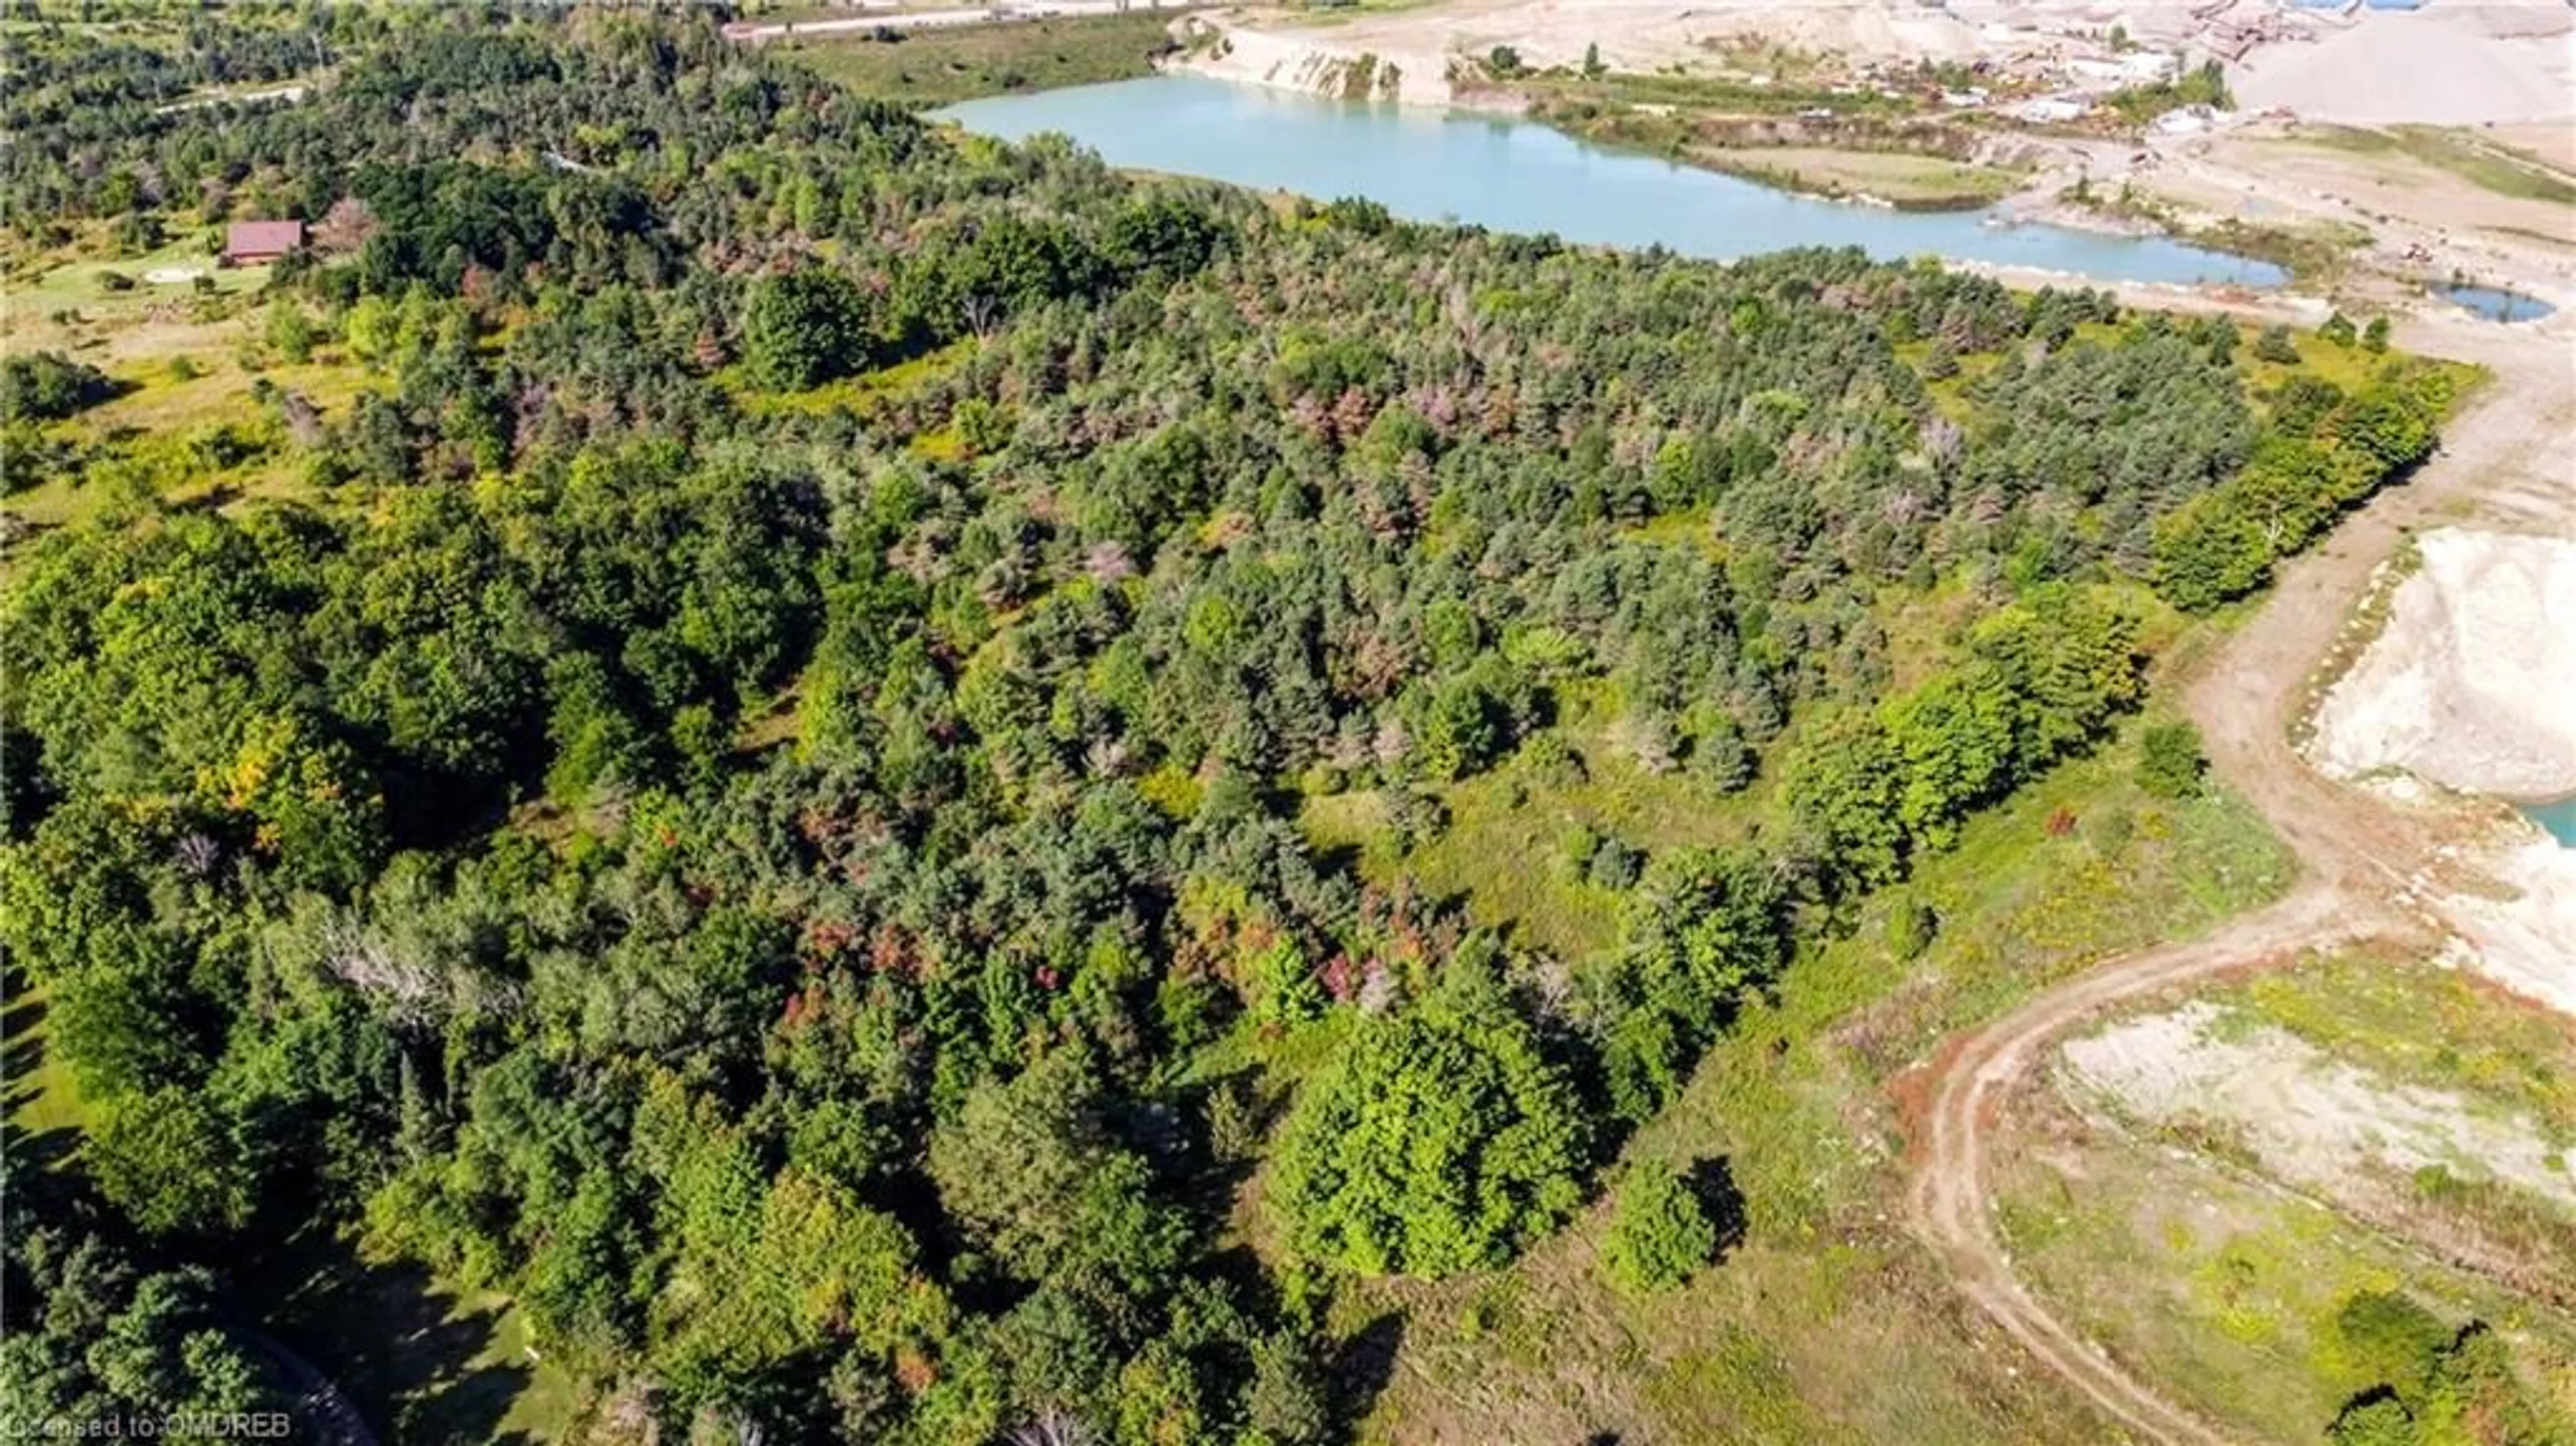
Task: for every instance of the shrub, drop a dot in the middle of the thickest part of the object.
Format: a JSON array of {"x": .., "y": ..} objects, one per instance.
[
  {"x": 1578, "y": 846},
  {"x": 47, "y": 386},
  {"x": 1911, "y": 927},
  {"x": 1660, "y": 1231},
  {"x": 1615, "y": 866},
  {"x": 2388, "y": 1337},
  {"x": 1437, "y": 1142},
  {"x": 2170, "y": 761},
  {"x": 1281, "y": 987}
]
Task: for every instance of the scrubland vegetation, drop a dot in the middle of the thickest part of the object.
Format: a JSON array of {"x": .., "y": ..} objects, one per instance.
[
  {"x": 939, "y": 65},
  {"x": 887, "y": 788}
]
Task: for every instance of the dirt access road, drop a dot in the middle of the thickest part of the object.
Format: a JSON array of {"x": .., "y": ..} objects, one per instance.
[{"x": 2367, "y": 868}]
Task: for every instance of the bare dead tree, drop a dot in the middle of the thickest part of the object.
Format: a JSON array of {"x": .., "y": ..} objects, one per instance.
[{"x": 1052, "y": 1427}]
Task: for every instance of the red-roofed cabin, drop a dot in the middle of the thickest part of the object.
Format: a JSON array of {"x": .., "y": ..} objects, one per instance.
[{"x": 254, "y": 243}]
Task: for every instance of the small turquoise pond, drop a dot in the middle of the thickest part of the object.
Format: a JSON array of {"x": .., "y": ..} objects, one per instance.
[
  {"x": 2496, "y": 305},
  {"x": 2558, "y": 818}
]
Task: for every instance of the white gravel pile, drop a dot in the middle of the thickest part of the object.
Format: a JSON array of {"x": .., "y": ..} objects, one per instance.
[{"x": 2500, "y": 60}]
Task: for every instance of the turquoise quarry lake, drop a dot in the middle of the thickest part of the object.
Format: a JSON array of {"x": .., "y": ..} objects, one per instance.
[
  {"x": 1510, "y": 175},
  {"x": 2558, "y": 818}
]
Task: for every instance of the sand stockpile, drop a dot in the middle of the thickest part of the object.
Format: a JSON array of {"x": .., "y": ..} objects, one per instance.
[
  {"x": 2473, "y": 683},
  {"x": 2443, "y": 65}
]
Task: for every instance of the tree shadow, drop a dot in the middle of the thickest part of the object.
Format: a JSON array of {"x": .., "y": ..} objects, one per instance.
[
  {"x": 34, "y": 1154},
  {"x": 213, "y": 499},
  {"x": 1364, "y": 1363},
  {"x": 20, "y": 1058},
  {"x": 24, "y": 1013},
  {"x": 418, "y": 1362},
  {"x": 1712, "y": 1183}
]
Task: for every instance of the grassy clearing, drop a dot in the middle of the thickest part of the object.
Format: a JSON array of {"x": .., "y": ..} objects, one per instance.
[
  {"x": 1906, "y": 181},
  {"x": 938, "y": 67},
  {"x": 1827, "y": 1323},
  {"x": 2222, "y": 1288},
  {"x": 423, "y": 1360},
  {"x": 2481, "y": 162},
  {"x": 1505, "y": 850},
  {"x": 188, "y": 364},
  {"x": 865, "y": 395},
  {"x": 2315, "y": 254},
  {"x": 2022, "y": 906},
  {"x": 43, "y": 1096},
  {"x": 151, "y": 433},
  {"x": 1797, "y": 138},
  {"x": 83, "y": 284}
]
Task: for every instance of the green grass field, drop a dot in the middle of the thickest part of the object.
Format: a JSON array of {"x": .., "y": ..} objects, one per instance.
[
  {"x": 1504, "y": 849},
  {"x": 82, "y": 284},
  {"x": 938, "y": 67}
]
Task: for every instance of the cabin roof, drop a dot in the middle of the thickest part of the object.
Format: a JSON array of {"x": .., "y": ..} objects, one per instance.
[{"x": 262, "y": 238}]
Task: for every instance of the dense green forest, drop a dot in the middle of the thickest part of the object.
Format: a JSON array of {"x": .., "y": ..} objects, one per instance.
[{"x": 749, "y": 779}]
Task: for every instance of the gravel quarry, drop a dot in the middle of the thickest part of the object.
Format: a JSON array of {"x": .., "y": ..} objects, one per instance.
[{"x": 2472, "y": 683}]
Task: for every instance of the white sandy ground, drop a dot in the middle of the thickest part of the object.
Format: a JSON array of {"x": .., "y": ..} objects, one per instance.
[
  {"x": 2472, "y": 684},
  {"x": 2315, "y": 1121},
  {"x": 2446, "y": 64},
  {"x": 2454, "y": 62},
  {"x": 2525, "y": 937}
]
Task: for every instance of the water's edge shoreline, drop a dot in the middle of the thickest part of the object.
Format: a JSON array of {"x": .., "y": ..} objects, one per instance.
[{"x": 2241, "y": 274}]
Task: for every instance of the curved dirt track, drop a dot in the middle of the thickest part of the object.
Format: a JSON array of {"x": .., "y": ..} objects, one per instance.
[{"x": 2361, "y": 861}]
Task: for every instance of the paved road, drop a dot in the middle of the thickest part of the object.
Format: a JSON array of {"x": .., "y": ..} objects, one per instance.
[{"x": 2362, "y": 861}]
